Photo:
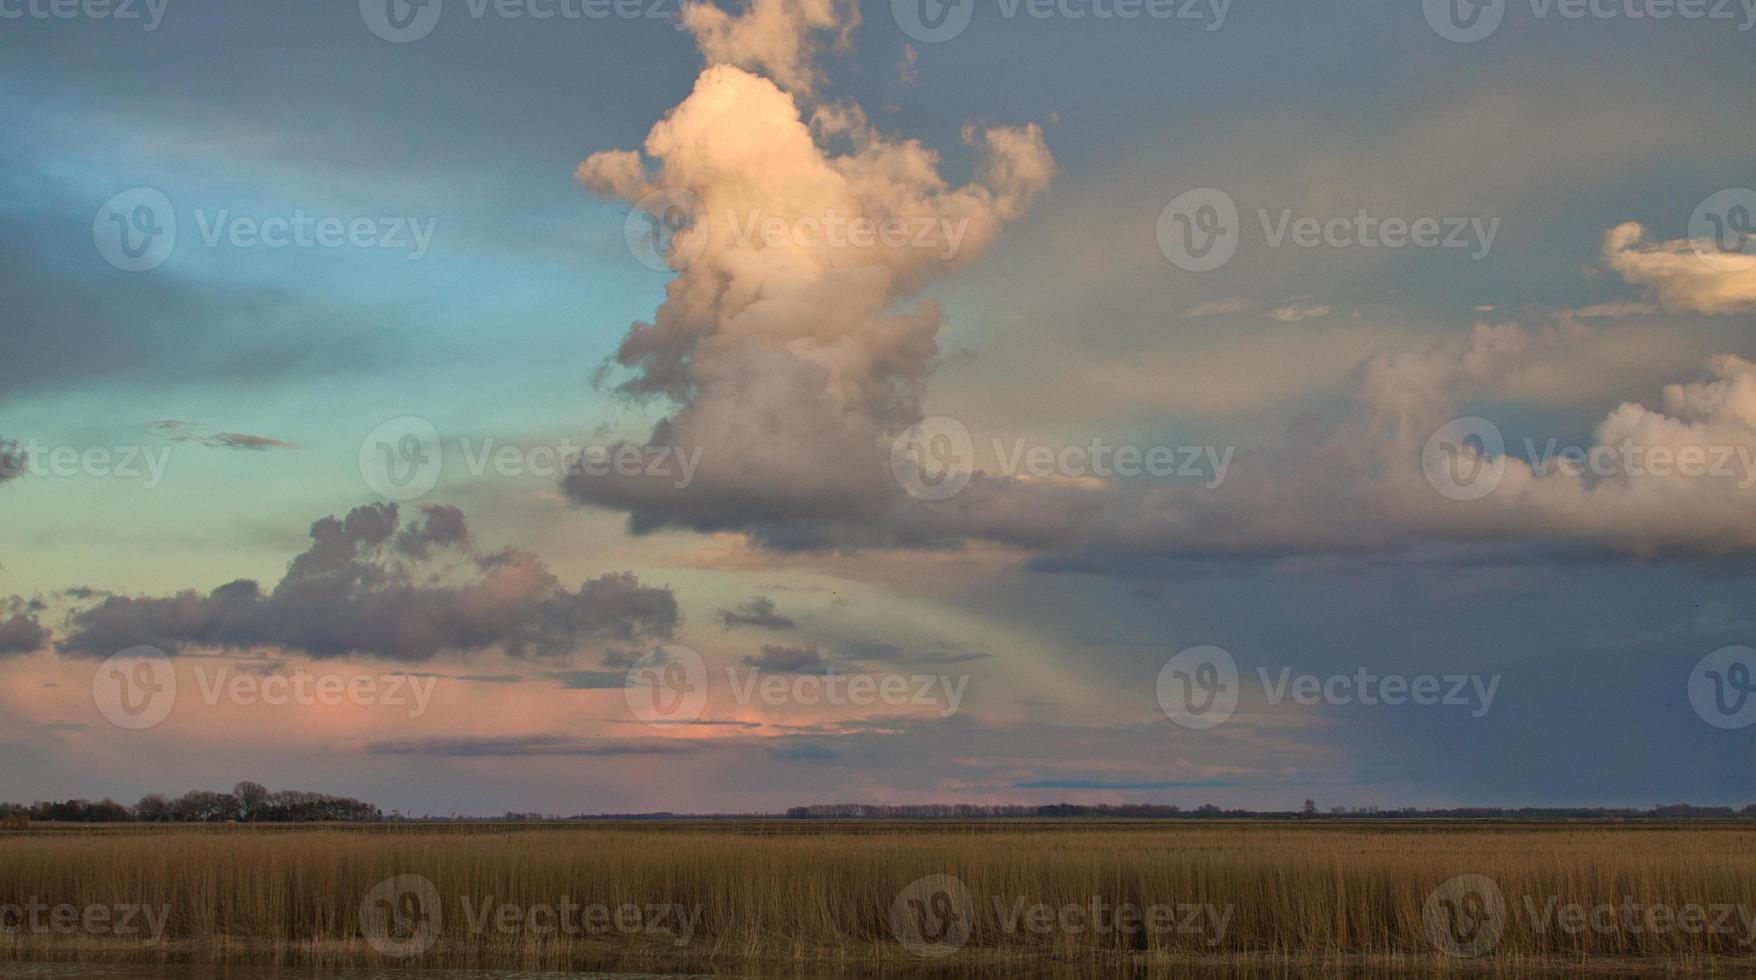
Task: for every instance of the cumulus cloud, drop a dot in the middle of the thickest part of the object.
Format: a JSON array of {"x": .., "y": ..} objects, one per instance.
[
  {"x": 1225, "y": 306},
  {"x": 1302, "y": 308},
  {"x": 1671, "y": 479},
  {"x": 793, "y": 364},
  {"x": 792, "y": 357},
  {"x": 778, "y": 38},
  {"x": 758, "y": 612},
  {"x": 372, "y": 584},
  {"x": 1682, "y": 279}
]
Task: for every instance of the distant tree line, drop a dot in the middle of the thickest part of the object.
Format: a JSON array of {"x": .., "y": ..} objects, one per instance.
[
  {"x": 970, "y": 811},
  {"x": 248, "y": 802}
]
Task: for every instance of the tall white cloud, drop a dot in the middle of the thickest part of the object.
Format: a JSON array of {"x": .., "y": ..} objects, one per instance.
[{"x": 786, "y": 338}]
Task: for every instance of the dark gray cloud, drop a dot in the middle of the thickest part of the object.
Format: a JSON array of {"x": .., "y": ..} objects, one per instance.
[
  {"x": 935, "y": 654},
  {"x": 790, "y": 660},
  {"x": 472, "y": 746},
  {"x": 177, "y": 430},
  {"x": 373, "y": 585},
  {"x": 13, "y": 459},
  {"x": 589, "y": 680},
  {"x": 22, "y": 633},
  {"x": 805, "y": 752},
  {"x": 1109, "y": 784},
  {"x": 758, "y": 612}
]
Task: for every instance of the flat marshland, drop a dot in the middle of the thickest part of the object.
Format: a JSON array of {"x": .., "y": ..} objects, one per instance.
[{"x": 815, "y": 898}]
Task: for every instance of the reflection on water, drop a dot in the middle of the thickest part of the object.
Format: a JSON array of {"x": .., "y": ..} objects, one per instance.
[
  {"x": 1047, "y": 970},
  {"x": 184, "y": 971}
]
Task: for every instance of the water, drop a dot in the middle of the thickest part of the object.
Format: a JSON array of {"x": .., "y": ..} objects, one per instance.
[{"x": 162, "y": 971}]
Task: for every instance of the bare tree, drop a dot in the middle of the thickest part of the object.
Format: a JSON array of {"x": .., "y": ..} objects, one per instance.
[{"x": 251, "y": 797}]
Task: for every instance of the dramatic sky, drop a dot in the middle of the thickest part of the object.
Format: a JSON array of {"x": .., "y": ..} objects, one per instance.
[{"x": 302, "y": 302}]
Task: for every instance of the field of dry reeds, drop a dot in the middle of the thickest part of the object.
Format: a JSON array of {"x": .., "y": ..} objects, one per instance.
[{"x": 762, "y": 898}]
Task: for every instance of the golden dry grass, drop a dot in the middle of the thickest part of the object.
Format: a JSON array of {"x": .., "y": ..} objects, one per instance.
[{"x": 778, "y": 896}]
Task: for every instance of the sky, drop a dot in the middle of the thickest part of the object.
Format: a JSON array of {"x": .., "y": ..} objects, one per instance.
[{"x": 570, "y": 406}]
